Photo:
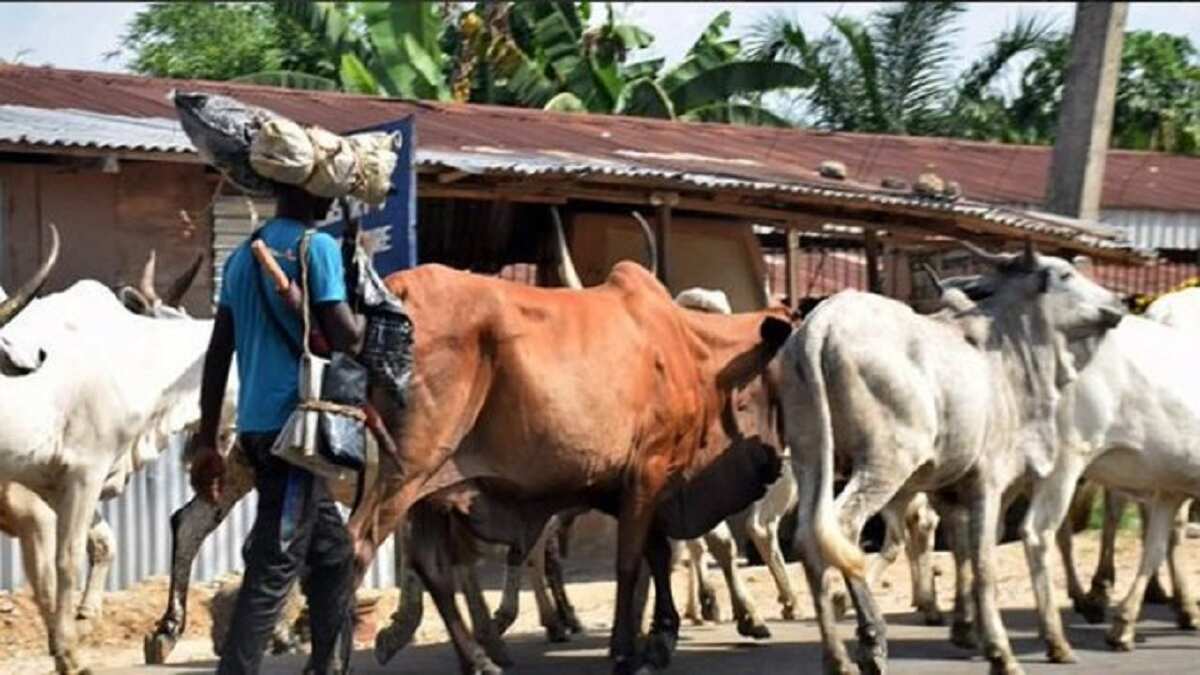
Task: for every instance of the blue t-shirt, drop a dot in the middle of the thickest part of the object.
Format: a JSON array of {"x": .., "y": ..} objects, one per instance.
[{"x": 268, "y": 365}]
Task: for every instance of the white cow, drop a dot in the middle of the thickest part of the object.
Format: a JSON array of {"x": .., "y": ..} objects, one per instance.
[
  {"x": 1180, "y": 309},
  {"x": 112, "y": 388},
  {"x": 961, "y": 402},
  {"x": 1131, "y": 422}
]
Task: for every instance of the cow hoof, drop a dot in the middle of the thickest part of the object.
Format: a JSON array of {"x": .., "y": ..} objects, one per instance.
[
  {"x": 1186, "y": 620},
  {"x": 1006, "y": 666},
  {"x": 571, "y": 621},
  {"x": 790, "y": 613},
  {"x": 837, "y": 666},
  {"x": 1093, "y": 610},
  {"x": 872, "y": 650},
  {"x": 486, "y": 668},
  {"x": 1060, "y": 652},
  {"x": 497, "y": 652},
  {"x": 503, "y": 620},
  {"x": 156, "y": 647},
  {"x": 933, "y": 617},
  {"x": 659, "y": 645},
  {"x": 68, "y": 664},
  {"x": 557, "y": 633},
  {"x": 1120, "y": 636},
  {"x": 751, "y": 628},
  {"x": 710, "y": 610},
  {"x": 962, "y": 635},
  {"x": 390, "y": 640}
]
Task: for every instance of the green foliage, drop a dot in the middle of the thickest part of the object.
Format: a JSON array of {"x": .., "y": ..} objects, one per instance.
[
  {"x": 540, "y": 53},
  {"x": 220, "y": 42},
  {"x": 1157, "y": 101}
]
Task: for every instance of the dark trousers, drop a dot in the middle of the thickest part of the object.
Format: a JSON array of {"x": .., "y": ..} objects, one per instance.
[{"x": 297, "y": 526}]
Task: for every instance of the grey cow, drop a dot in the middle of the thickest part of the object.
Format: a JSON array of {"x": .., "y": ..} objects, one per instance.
[{"x": 960, "y": 403}]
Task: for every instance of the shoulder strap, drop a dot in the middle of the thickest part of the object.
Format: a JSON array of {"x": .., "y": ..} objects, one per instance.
[{"x": 271, "y": 310}]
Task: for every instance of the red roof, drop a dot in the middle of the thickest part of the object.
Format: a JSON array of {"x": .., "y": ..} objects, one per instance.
[{"x": 1007, "y": 174}]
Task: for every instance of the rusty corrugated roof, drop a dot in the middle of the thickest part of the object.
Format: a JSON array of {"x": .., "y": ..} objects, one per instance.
[
  {"x": 990, "y": 172},
  {"x": 775, "y": 165}
]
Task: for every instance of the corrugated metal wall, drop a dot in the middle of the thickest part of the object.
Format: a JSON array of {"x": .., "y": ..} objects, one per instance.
[
  {"x": 1157, "y": 229},
  {"x": 140, "y": 519}
]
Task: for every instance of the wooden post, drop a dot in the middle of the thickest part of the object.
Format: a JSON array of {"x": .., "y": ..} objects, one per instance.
[
  {"x": 662, "y": 232},
  {"x": 792, "y": 268},
  {"x": 871, "y": 246},
  {"x": 1085, "y": 119}
]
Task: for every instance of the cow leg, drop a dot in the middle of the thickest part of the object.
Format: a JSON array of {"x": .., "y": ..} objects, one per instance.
[
  {"x": 76, "y": 504},
  {"x": 100, "y": 547},
  {"x": 556, "y": 631},
  {"x": 984, "y": 520},
  {"x": 1187, "y": 613},
  {"x": 1048, "y": 507},
  {"x": 1078, "y": 516},
  {"x": 765, "y": 536},
  {"x": 724, "y": 549},
  {"x": 816, "y": 570},
  {"x": 870, "y": 490},
  {"x": 633, "y": 528},
  {"x": 190, "y": 526},
  {"x": 664, "y": 629},
  {"x": 962, "y": 628},
  {"x": 35, "y": 525},
  {"x": 695, "y": 569},
  {"x": 1158, "y": 533},
  {"x": 920, "y": 524},
  {"x": 1155, "y": 593},
  {"x": 554, "y": 575},
  {"x": 1095, "y": 608},
  {"x": 893, "y": 543},
  {"x": 510, "y": 601},
  {"x": 410, "y": 608},
  {"x": 431, "y": 559},
  {"x": 702, "y": 595},
  {"x": 482, "y": 626}
]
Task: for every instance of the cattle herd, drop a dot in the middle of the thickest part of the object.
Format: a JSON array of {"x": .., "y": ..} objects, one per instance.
[{"x": 678, "y": 417}]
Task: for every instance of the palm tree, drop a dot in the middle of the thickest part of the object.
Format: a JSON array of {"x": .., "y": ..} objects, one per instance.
[{"x": 892, "y": 73}]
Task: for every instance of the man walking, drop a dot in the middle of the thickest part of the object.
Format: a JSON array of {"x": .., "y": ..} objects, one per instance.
[{"x": 297, "y": 524}]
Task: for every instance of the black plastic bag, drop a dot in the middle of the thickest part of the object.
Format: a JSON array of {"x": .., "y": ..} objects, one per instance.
[
  {"x": 222, "y": 129},
  {"x": 344, "y": 381}
]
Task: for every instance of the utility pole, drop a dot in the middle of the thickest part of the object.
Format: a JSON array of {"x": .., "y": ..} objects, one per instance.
[{"x": 1085, "y": 119}]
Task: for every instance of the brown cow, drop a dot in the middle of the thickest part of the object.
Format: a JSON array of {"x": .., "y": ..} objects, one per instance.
[{"x": 526, "y": 401}]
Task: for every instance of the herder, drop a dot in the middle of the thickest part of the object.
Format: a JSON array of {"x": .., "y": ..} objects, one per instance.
[{"x": 297, "y": 524}]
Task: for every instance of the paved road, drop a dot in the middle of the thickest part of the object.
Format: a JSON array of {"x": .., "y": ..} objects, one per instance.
[{"x": 718, "y": 650}]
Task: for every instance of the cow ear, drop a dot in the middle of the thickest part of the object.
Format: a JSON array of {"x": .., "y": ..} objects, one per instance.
[{"x": 774, "y": 332}]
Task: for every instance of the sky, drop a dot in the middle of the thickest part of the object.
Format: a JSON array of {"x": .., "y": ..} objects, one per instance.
[{"x": 78, "y": 35}]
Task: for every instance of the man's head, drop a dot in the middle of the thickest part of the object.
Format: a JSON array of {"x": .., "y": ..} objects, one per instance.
[{"x": 294, "y": 202}]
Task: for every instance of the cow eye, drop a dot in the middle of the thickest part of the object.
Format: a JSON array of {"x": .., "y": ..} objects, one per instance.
[{"x": 1066, "y": 276}]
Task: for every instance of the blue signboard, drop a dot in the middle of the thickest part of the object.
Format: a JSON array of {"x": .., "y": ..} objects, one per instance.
[{"x": 389, "y": 230}]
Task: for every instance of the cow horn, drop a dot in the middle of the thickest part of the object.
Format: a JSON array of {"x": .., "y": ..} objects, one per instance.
[
  {"x": 988, "y": 256},
  {"x": 651, "y": 249},
  {"x": 17, "y": 301},
  {"x": 180, "y": 286},
  {"x": 566, "y": 266},
  {"x": 146, "y": 285},
  {"x": 933, "y": 276}
]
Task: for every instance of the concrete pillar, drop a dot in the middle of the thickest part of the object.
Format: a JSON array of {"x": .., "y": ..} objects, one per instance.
[{"x": 1085, "y": 119}]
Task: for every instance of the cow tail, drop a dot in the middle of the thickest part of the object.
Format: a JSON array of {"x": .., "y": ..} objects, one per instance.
[{"x": 836, "y": 547}]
